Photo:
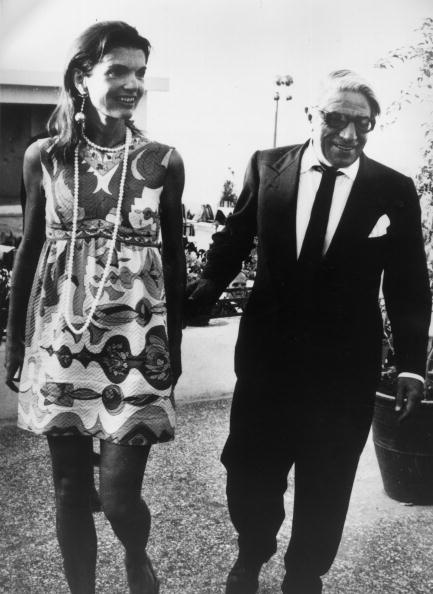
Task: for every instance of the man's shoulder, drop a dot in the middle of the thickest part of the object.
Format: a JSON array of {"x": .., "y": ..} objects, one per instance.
[
  {"x": 273, "y": 155},
  {"x": 381, "y": 171},
  {"x": 394, "y": 187}
]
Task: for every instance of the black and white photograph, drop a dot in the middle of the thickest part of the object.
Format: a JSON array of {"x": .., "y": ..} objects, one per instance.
[{"x": 216, "y": 275}]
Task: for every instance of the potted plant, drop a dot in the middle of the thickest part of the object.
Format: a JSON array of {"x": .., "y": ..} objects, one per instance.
[{"x": 404, "y": 449}]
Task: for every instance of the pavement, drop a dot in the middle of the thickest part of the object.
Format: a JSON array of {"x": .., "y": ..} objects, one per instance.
[{"x": 387, "y": 547}]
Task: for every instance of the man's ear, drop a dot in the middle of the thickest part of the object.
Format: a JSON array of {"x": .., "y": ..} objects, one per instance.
[{"x": 78, "y": 78}]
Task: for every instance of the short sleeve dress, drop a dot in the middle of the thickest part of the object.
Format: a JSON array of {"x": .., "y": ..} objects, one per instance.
[{"x": 114, "y": 381}]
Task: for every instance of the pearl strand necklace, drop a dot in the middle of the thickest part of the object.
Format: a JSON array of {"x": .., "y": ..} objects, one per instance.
[
  {"x": 103, "y": 149},
  {"x": 74, "y": 329}
]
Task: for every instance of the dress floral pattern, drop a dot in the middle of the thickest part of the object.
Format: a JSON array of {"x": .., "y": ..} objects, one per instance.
[{"x": 114, "y": 381}]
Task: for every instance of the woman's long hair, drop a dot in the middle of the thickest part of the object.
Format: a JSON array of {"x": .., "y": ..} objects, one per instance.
[{"x": 89, "y": 49}]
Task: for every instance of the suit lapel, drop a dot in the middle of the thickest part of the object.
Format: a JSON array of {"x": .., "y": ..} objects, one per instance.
[
  {"x": 363, "y": 208},
  {"x": 281, "y": 189}
]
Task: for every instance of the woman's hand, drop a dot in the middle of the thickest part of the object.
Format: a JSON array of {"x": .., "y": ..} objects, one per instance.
[{"x": 13, "y": 362}]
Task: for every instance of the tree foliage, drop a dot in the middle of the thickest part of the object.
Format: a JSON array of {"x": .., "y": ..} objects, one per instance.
[
  {"x": 419, "y": 90},
  {"x": 228, "y": 196}
]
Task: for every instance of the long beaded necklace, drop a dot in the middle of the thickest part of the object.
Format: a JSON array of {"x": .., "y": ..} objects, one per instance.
[{"x": 96, "y": 299}]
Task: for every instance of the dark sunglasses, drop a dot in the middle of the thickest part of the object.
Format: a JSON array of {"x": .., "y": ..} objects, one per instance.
[{"x": 339, "y": 121}]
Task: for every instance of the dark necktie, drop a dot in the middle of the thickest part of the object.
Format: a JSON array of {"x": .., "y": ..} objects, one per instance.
[{"x": 312, "y": 248}]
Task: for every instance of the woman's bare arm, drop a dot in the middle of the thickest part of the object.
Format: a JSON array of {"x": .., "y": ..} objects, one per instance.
[
  {"x": 173, "y": 257},
  {"x": 26, "y": 261}
]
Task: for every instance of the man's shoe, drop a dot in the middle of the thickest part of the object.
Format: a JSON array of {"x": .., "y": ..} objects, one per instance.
[{"x": 243, "y": 578}]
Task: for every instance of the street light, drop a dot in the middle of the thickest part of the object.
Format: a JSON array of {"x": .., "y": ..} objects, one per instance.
[{"x": 286, "y": 80}]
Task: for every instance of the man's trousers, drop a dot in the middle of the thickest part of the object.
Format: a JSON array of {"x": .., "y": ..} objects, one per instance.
[{"x": 322, "y": 435}]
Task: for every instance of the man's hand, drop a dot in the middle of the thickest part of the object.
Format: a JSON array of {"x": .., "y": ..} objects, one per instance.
[
  {"x": 409, "y": 394},
  {"x": 200, "y": 297},
  {"x": 201, "y": 290}
]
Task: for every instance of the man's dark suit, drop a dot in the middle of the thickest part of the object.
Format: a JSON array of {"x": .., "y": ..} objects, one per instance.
[{"x": 308, "y": 355}]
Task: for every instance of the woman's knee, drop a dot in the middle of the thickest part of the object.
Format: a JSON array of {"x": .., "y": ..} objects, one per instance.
[
  {"x": 120, "y": 481},
  {"x": 121, "y": 508},
  {"x": 72, "y": 492}
]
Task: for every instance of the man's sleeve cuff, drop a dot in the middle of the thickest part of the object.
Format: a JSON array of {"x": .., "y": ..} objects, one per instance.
[{"x": 413, "y": 375}]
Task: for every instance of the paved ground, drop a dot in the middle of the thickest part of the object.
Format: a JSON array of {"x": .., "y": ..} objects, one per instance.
[{"x": 387, "y": 546}]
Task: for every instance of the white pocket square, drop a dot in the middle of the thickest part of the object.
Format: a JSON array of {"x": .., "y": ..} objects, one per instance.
[{"x": 380, "y": 227}]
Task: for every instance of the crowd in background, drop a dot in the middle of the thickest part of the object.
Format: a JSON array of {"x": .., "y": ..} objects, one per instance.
[{"x": 196, "y": 260}]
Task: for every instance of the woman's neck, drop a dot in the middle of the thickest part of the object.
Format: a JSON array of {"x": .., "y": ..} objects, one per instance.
[{"x": 108, "y": 134}]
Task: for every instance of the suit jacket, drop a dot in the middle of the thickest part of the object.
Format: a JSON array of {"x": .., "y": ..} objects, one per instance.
[{"x": 329, "y": 332}]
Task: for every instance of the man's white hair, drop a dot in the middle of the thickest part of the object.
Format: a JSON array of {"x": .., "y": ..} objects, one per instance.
[{"x": 347, "y": 80}]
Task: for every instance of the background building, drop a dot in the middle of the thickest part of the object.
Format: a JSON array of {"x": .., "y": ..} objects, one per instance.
[{"x": 27, "y": 99}]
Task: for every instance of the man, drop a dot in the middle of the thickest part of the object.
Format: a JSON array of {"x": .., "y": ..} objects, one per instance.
[{"x": 329, "y": 221}]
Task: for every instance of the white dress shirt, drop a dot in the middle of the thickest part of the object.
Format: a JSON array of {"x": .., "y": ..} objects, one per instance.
[{"x": 309, "y": 182}]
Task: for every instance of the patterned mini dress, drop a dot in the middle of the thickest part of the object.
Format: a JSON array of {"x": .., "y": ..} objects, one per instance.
[{"x": 113, "y": 382}]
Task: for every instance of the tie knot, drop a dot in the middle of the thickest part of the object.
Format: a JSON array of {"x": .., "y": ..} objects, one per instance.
[{"x": 327, "y": 170}]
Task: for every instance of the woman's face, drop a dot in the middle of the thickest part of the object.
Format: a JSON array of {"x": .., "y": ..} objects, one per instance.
[{"x": 116, "y": 83}]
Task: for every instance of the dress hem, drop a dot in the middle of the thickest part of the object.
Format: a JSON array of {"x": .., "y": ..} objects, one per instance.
[{"x": 145, "y": 442}]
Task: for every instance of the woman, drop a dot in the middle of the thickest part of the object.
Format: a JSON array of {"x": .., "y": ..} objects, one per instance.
[{"x": 99, "y": 356}]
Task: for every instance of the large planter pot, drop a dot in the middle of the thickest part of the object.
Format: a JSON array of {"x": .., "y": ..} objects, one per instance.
[{"x": 405, "y": 450}]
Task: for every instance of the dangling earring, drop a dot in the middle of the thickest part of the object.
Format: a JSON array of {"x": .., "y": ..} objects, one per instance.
[{"x": 80, "y": 116}]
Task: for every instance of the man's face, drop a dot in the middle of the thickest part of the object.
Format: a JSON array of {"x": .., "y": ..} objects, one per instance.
[{"x": 340, "y": 145}]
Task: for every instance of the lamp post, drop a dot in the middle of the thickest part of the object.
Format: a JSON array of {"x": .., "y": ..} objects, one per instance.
[{"x": 286, "y": 80}]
